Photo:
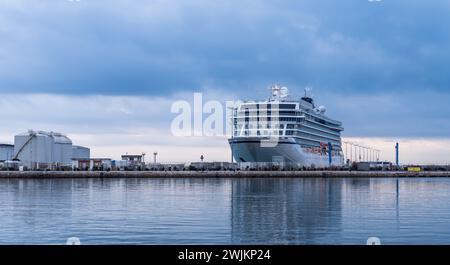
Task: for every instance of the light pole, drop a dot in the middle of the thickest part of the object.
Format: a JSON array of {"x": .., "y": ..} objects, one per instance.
[
  {"x": 232, "y": 135},
  {"x": 396, "y": 153},
  {"x": 359, "y": 153}
]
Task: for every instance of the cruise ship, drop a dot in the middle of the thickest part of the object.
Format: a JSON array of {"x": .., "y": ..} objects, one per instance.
[{"x": 287, "y": 130}]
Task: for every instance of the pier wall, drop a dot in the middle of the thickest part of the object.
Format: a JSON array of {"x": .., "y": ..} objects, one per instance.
[{"x": 220, "y": 174}]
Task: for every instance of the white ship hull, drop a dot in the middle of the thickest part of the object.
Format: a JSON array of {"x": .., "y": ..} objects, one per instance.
[{"x": 287, "y": 150}]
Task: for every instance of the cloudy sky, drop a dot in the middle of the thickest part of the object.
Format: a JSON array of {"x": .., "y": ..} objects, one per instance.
[{"x": 106, "y": 72}]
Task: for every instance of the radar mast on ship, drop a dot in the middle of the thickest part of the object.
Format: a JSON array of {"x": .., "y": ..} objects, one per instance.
[
  {"x": 308, "y": 96},
  {"x": 279, "y": 93}
]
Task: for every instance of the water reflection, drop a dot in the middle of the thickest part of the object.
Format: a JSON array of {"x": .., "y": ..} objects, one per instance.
[
  {"x": 284, "y": 211},
  {"x": 225, "y": 211}
]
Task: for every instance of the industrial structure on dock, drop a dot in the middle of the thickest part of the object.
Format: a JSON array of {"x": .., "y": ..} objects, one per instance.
[
  {"x": 42, "y": 150},
  {"x": 6, "y": 152}
]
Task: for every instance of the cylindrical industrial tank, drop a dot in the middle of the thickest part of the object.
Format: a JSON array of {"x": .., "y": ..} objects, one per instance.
[
  {"x": 33, "y": 147},
  {"x": 62, "y": 149},
  {"x": 6, "y": 152}
]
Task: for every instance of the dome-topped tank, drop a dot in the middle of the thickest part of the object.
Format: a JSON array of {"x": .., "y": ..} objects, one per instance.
[
  {"x": 59, "y": 137},
  {"x": 40, "y": 147},
  {"x": 62, "y": 148}
]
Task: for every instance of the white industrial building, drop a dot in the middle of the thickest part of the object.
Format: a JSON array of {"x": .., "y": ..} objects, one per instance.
[
  {"x": 39, "y": 149},
  {"x": 91, "y": 164},
  {"x": 6, "y": 152}
]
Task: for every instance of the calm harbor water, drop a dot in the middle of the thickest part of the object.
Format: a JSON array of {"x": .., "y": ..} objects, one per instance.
[{"x": 225, "y": 211}]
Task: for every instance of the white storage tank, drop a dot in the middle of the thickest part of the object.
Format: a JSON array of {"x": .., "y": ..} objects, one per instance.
[
  {"x": 33, "y": 148},
  {"x": 62, "y": 149},
  {"x": 36, "y": 148},
  {"x": 80, "y": 152},
  {"x": 6, "y": 152}
]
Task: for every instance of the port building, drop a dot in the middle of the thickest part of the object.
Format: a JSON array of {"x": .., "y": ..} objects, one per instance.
[{"x": 83, "y": 164}]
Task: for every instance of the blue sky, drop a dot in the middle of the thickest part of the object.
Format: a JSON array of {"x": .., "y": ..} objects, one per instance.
[{"x": 383, "y": 68}]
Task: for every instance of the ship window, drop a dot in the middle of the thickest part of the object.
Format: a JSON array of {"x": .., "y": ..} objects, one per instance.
[
  {"x": 321, "y": 121},
  {"x": 287, "y": 106},
  {"x": 287, "y": 113}
]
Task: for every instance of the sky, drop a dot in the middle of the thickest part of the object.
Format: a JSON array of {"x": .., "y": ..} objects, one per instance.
[{"x": 106, "y": 72}]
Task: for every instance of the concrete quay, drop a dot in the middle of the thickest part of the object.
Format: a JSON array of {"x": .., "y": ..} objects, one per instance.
[{"x": 219, "y": 174}]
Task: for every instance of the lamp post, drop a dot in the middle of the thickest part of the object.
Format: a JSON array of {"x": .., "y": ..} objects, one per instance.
[
  {"x": 232, "y": 135},
  {"x": 396, "y": 153},
  {"x": 359, "y": 153}
]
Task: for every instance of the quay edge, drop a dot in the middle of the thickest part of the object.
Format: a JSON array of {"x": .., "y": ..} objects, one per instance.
[{"x": 218, "y": 174}]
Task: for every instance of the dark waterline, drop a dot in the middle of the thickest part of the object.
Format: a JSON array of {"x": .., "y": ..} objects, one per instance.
[{"x": 225, "y": 211}]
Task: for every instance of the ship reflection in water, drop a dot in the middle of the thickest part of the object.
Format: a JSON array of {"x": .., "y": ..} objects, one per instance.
[
  {"x": 285, "y": 211},
  {"x": 225, "y": 211}
]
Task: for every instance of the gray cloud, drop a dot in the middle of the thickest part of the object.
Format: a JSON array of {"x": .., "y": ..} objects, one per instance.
[{"x": 159, "y": 47}]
